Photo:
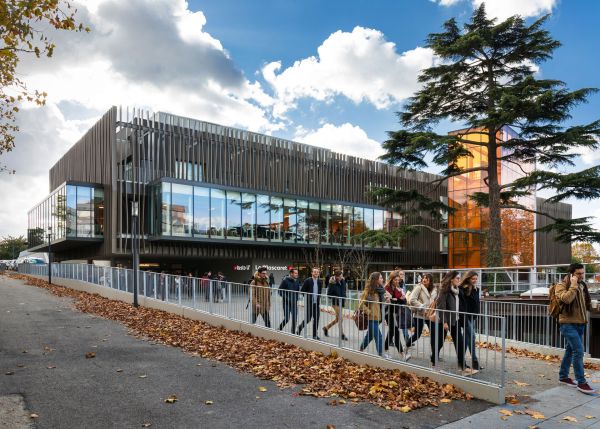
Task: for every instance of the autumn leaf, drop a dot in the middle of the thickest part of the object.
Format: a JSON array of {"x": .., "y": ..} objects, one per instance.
[
  {"x": 445, "y": 400},
  {"x": 341, "y": 401},
  {"x": 521, "y": 383},
  {"x": 90, "y": 355},
  {"x": 142, "y": 376},
  {"x": 146, "y": 425},
  {"x": 119, "y": 370},
  {"x": 590, "y": 417},
  {"x": 9, "y": 373},
  {"x": 405, "y": 409},
  {"x": 171, "y": 399},
  {"x": 208, "y": 402},
  {"x": 33, "y": 416},
  {"x": 570, "y": 419},
  {"x": 506, "y": 412},
  {"x": 262, "y": 389},
  {"x": 330, "y": 427}
]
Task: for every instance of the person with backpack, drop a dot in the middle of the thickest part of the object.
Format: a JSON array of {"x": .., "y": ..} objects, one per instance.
[
  {"x": 289, "y": 290},
  {"x": 573, "y": 300},
  {"x": 337, "y": 292}
]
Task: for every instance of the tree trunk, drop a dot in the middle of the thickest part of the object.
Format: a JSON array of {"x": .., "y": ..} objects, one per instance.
[{"x": 494, "y": 236}]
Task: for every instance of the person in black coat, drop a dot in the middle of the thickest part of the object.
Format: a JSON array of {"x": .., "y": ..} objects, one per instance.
[
  {"x": 288, "y": 290},
  {"x": 312, "y": 297},
  {"x": 469, "y": 303},
  {"x": 336, "y": 290}
]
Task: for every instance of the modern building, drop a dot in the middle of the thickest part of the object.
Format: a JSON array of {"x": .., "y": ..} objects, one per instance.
[{"x": 217, "y": 198}]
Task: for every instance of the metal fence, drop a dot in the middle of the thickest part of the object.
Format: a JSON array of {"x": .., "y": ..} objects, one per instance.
[
  {"x": 505, "y": 280},
  {"x": 306, "y": 315}
]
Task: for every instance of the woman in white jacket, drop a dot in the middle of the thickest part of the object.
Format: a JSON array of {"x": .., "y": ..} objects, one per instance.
[{"x": 420, "y": 298}]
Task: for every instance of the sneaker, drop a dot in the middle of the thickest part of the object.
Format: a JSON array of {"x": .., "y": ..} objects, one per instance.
[
  {"x": 406, "y": 356},
  {"x": 568, "y": 381},
  {"x": 386, "y": 356},
  {"x": 344, "y": 338},
  {"x": 325, "y": 331},
  {"x": 469, "y": 371},
  {"x": 585, "y": 388},
  {"x": 316, "y": 337}
]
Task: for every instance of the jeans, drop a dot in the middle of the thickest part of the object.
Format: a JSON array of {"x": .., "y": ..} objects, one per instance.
[
  {"x": 373, "y": 332},
  {"x": 469, "y": 325},
  {"x": 573, "y": 333},
  {"x": 313, "y": 312}
]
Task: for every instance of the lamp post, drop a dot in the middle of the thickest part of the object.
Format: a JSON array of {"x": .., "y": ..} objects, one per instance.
[
  {"x": 134, "y": 250},
  {"x": 49, "y": 255}
]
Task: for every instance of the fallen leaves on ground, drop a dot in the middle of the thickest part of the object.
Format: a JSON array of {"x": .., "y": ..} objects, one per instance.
[
  {"x": 208, "y": 402},
  {"x": 570, "y": 419},
  {"x": 146, "y": 425},
  {"x": 532, "y": 355},
  {"x": 171, "y": 399},
  {"x": 590, "y": 417},
  {"x": 33, "y": 416},
  {"x": 262, "y": 389},
  {"x": 520, "y": 383},
  {"x": 506, "y": 412},
  {"x": 90, "y": 355},
  {"x": 287, "y": 365}
]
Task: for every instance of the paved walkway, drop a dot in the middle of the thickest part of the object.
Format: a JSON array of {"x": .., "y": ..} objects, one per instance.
[
  {"x": 43, "y": 343},
  {"x": 554, "y": 405}
]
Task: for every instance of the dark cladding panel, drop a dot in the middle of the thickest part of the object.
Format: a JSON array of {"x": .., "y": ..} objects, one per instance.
[{"x": 548, "y": 250}]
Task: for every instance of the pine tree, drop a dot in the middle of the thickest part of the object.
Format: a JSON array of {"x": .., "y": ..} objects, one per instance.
[{"x": 485, "y": 78}]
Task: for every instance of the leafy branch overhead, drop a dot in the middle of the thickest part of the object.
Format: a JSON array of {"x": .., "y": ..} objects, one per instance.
[
  {"x": 485, "y": 80},
  {"x": 24, "y": 31}
]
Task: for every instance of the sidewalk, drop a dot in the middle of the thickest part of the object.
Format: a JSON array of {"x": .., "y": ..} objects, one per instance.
[
  {"x": 554, "y": 405},
  {"x": 43, "y": 343}
]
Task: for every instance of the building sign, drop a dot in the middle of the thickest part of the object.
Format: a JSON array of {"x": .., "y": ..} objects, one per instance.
[{"x": 241, "y": 267}]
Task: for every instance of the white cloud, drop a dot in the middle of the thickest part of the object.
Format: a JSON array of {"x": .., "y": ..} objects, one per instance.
[
  {"x": 346, "y": 138},
  {"x": 502, "y": 9},
  {"x": 360, "y": 65}
]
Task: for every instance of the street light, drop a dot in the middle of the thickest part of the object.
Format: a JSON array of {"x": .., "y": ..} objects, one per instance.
[
  {"x": 134, "y": 250},
  {"x": 50, "y": 255}
]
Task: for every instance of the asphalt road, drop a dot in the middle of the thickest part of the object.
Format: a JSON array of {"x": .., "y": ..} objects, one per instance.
[{"x": 43, "y": 343}]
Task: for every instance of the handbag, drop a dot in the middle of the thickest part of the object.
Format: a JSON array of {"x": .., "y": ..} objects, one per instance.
[
  {"x": 361, "y": 319},
  {"x": 431, "y": 312}
]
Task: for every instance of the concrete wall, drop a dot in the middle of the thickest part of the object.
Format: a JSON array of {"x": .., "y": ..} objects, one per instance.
[{"x": 478, "y": 389}]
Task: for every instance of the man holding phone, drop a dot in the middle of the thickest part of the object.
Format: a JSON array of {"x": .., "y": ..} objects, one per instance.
[{"x": 574, "y": 295}]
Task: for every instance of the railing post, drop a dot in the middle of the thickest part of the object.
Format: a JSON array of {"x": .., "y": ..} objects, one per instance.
[
  {"x": 154, "y": 282},
  {"x": 193, "y": 292},
  {"x": 167, "y": 281},
  {"x": 210, "y": 296},
  {"x": 514, "y": 321},
  {"x": 144, "y": 277},
  {"x": 179, "y": 286},
  {"x": 229, "y": 300},
  {"x": 503, "y": 357},
  {"x": 126, "y": 285},
  {"x": 250, "y": 309},
  {"x": 587, "y": 333}
]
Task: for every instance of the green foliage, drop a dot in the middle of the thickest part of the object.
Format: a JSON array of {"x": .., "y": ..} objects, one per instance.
[
  {"x": 484, "y": 78},
  {"x": 22, "y": 33},
  {"x": 10, "y": 247}
]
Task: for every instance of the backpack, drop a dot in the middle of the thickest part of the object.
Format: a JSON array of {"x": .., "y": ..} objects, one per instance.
[{"x": 556, "y": 306}]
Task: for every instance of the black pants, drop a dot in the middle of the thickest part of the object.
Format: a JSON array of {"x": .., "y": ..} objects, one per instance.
[
  {"x": 438, "y": 335},
  {"x": 290, "y": 308},
  {"x": 393, "y": 332},
  {"x": 313, "y": 312},
  {"x": 264, "y": 314},
  {"x": 418, "y": 324}
]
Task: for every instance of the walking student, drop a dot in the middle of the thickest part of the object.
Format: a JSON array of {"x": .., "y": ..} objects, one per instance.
[
  {"x": 312, "y": 287},
  {"x": 419, "y": 301},
  {"x": 289, "y": 291},
  {"x": 404, "y": 316},
  {"x": 573, "y": 293},
  {"x": 337, "y": 292},
  {"x": 447, "y": 320},
  {"x": 469, "y": 308},
  {"x": 370, "y": 303},
  {"x": 392, "y": 310},
  {"x": 261, "y": 296}
]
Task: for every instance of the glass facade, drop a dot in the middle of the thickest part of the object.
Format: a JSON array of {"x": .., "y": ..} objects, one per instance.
[
  {"x": 71, "y": 211},
  {"x": 469, "y": 249},
  {"x": 195, "y": 211}
]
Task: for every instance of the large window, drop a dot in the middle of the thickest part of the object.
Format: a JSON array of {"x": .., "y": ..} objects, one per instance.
[
  {"x": 217, "y": 213},
  {"x": 336, "y": 230},
  {"x": 290, "y": 220},
  {"x": 301, "y": 216},
  {"x": 263, "y": 218},
  {"x": 166, "y": 209},
  {"x": 312, "y": 222},
  {"x": 201, "y": 211},
  {"x": 234, "y": 215},
  {"x": 181, "y": 210},
  {"x": 276, "y": 219},
  {"x": 248, "y": 216}
]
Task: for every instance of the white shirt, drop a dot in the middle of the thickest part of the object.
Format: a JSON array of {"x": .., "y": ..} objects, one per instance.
[{"x": 315, "y": 288}]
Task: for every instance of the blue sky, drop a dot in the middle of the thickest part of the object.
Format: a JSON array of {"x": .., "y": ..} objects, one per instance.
[{"x": 329, "y": 73}]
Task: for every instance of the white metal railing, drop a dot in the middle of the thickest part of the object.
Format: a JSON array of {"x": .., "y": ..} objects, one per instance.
[
  {"x": 504, "y": 280},
  {"x": 289, "y": 311}
]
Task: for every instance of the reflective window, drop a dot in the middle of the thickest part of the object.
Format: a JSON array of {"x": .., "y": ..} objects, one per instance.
[
  {"x": 336, "y": 230},
  {"x": 181, "y": 210},
  {"x": 98, "y": 212},
  {"x": 234, "y": 214},
  {"x": 165, "y": 209},
  {"x": 325, "y": 222},
  {"x": 346, "y": 232},
  {"x": 201, "y": 211},
  {"x": 217, "y": 213},
  {"x": 276, "y": 219},
  {"x": 71, "y": 211},
  {"x": 290, "y": 220},
  {"x": 301, "y": 215},
  {"x": 263, "y": 217},
  {"x": 312, "y": 222},
  {"x": 85, "y": 212},
  {"x": 248, "y": 216}
]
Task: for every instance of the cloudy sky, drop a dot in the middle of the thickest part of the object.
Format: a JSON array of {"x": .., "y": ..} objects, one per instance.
[{"x": 330, "y": 74}]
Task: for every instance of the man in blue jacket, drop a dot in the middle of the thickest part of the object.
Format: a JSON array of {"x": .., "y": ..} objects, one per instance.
[
  {"x": 312, "y": 301},
  {"x": 337, "y": 292},
  {"x": 289, "y": 291}
]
